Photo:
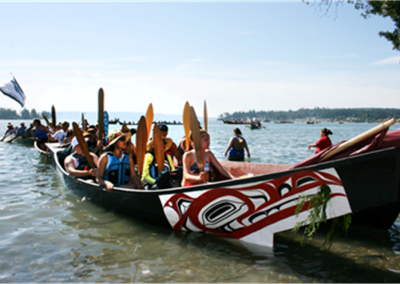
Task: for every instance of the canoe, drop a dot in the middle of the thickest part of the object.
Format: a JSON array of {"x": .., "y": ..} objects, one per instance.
[
  {"x": 41, "y": 152},
  {"x": 24, "y": 141},
  {"x": 235, "y": 121},
  {"x": 262, "y": 202}
]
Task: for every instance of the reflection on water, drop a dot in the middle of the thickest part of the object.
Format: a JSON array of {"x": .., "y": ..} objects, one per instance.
[{"x": 49, "y": 234}]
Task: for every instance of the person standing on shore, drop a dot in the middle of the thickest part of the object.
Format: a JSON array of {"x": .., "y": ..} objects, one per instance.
[
  {"x": 324, "y": 142},
  {"x": 236, "y": 146}
]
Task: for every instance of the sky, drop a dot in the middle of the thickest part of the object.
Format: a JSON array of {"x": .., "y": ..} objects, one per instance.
[{"x": 235, "y": 55}]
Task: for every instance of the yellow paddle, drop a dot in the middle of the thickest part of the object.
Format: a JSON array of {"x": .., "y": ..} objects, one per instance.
[
  {"x": 83, "y": 145},
  {"x": 194, "y": 127},
  {"x": 186, "y": 124},
  {"x": 205, "y": 117},
  {"x": 141, "y": 142},
  {"x": 149, "y": 119},
  {"x": 158, "y": 145}
]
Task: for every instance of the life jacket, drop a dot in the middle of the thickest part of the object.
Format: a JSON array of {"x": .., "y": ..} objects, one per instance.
[
  {"x": 235, "y": 152},
  {"x": 81, "y": 162},
  {"x": 41, "y": 134},
  {"x": 154, "y": 169},
  {"x": 117, "y": 171}
]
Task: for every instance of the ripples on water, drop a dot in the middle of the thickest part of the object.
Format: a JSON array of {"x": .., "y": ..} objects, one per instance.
[{"x": 49, "y": 234}]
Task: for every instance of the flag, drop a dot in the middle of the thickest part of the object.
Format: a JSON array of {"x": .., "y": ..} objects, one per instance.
[{"x": 14, "y": 91}]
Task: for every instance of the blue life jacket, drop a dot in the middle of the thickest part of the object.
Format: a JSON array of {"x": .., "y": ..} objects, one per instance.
[
  {"x": 41, "y": 134},
  {"x": 235, "y": 152},
  {"x": 118, "y": 172},
  {"x": 154, "y": 169}
]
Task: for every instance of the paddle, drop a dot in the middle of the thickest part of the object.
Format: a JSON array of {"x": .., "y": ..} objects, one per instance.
[
  {"x": 205, "y": 117},
  {"x": 84, "y": 126},
  {"x": 359, "y": 138},
  {"x": 194, "y": 127},
  {"x": 46, "y": 119},
  {"x": 101, "y": 116},
  {"x": 186, "y": 124},
  {"x": 83, "y": 145},
  {"x": 53, "y": 116},
  {"x": 149, "y": 119},
  {"x": 159, "y": 150},
  {"x": 141, "y": 142},
  {"x": 106, "y": 126}
]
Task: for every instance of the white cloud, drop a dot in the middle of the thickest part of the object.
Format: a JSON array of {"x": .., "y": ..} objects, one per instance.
[{"x": 388, "y": 61}]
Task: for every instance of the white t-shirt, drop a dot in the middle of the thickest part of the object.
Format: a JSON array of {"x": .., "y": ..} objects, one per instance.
[{"x": 59, "y": 135}]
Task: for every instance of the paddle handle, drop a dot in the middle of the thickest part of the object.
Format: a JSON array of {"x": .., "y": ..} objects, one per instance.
[
  {"x": 194, "y": 127},
  {"x": 359, "y": 138}
]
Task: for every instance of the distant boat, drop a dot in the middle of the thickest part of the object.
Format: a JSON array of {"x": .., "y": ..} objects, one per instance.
[
  {"x": 235, "y": 121},
  {"x": 310, "y": 122}
]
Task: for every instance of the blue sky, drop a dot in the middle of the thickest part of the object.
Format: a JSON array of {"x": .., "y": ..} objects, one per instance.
[{"x": 238, "y": 56}]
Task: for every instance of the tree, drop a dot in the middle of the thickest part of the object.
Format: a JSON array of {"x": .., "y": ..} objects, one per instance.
[
  {"x": 25, "y": 114},
  {"x": 34, "y": 113},
  {"x": 384, "y": 8}
]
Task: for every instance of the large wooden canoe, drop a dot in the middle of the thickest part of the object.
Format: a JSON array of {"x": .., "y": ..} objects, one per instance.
[{"x": 254, "y": 207}]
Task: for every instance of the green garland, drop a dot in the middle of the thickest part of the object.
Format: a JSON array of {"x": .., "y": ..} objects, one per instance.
[{"x": 317, "y": 214}]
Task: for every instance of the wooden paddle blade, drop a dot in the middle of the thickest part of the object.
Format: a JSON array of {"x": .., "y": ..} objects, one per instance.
[
  {"x": 194, "y": 127},
  {"x": 46, "y": 119},
  {"x": 186, "y": 124},
  {"x": 205, "y": 117},
  {"x": 101, "y": 114},
  {"x": 159, "y": 150},
  {"x": 362, "y": 136},
  {"x": 53, "y": 116},
  {"x": 141, "y": 142},
  {"x": 83, "y": 145},
  {"x": 149, "y": 119},
  {"x": 83, "y": 122}
]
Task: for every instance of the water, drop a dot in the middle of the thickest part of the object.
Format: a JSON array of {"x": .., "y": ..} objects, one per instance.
[{"x": 49, "y": 234}]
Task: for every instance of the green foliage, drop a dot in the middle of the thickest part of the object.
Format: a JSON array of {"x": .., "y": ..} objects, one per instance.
[
  {"x": 384, "y": 8},
  {"x": 317, "y": 214},
  {"x": 352, "y": 114},
  {"x": 6, "y": 113}
]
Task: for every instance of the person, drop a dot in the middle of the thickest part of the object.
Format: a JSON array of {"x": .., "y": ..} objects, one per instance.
[
  {"x": 28, "y": 132},
  {"x": 9, "y": 131},
  {"x": 68, "y": 137},
  {"x": 19, "y": 132},
  {"x": 131, "y": 149},
  {"x": 116, "y": 168},
  {"x": 150, "y": 173},
  {"x": 77, "y": 165},
  {"x": 60, "y": 134},
  {"x": 172, "y": 149},
  {"x": 40, "y": 133},
  {"x": 191, "y": 171},
  {"x": 94, "y": 144},
  {"x": 236, "y": 147},
  {"x": 324, "y": 142}
]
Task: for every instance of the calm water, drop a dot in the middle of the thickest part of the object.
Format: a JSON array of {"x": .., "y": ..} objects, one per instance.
[{"x": 48, "y": 234}]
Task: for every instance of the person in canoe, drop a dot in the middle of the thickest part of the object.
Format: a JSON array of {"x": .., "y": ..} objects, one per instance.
[
  {"x": 60, "y": 134},
  {"x": 94, "y": 144},
  {"x": 150, "y": 174},
  {"x": 9, "y": 131},
  {"x": 324, "y": 142},
  {"x": 171, "y": 150},
  {"x": 40, "y": 133},
  {"x": 191, "y": 171},
  {"x": 116, "y": 168},
  {"x": 77, "y": 165},
  {"x": 236, "y": 147}
]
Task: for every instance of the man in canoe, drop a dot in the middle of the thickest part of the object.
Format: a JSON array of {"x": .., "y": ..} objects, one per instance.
[
  {"x": 77, "y": 165},
  {"x": 116, "y": 168},
  {"x": 40, "y": 133},
  {"x": 9, "y": 131},
  {"x": 60, "y": 134}
]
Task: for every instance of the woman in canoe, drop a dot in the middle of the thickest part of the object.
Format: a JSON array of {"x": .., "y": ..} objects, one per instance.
[
  {"x": 191, "y": 171},
  {"x": 236, "y": 146},
  {"x": 116, "y": 168},
  {"x": 324, "y": 142}
]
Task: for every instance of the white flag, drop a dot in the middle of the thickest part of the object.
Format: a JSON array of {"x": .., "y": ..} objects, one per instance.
[{"x": 14, "y": 91}]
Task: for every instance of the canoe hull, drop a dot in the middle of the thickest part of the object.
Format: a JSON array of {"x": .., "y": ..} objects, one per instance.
[{"x": 252, "y": 209}]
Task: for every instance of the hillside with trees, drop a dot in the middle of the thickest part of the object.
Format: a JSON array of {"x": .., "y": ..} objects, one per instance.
[
  {"x": 325, "y": 114},
  {"x": 6, "y": 113}
]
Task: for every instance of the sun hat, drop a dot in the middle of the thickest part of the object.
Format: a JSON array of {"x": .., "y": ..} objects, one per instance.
[
  {"x": 238, "y": 143},
  {"x": 167, "y": 143},
  {"x": 115, "y": 135}
]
